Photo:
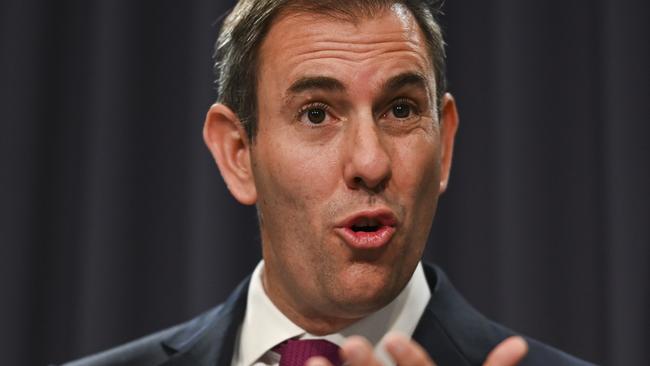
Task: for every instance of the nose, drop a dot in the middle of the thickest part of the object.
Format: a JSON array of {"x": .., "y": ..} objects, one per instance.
[{"x": 367, "y": 161}]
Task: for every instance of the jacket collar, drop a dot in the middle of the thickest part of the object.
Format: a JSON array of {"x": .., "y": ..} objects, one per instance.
[
  {"x": 450, "y": 329},
  {"x": 210, "y": 338}
]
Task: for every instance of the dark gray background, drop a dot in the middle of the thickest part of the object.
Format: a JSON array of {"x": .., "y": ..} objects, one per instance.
[{"x": 114, "y": 221}]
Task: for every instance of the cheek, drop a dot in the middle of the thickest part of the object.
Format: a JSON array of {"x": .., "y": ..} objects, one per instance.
[
  {"x": 294, "y": 181},
  {"x": 416, "y": 169},
  {"x": 294, "y": 185}
]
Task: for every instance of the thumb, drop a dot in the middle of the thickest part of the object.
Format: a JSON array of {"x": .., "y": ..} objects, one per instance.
[{"x": 508, "y": 353}]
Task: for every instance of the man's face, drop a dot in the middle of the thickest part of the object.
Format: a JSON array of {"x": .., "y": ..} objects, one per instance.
[{"x": 346, "y": 160}]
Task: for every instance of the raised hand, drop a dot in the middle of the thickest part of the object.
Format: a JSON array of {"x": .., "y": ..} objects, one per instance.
[{"x": 357, "y": 351}]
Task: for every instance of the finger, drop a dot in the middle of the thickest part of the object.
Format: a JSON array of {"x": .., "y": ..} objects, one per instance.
[
  {"x": 405, "y": 351},
  {"x": 357, "y": 351},
  {"x": 508, "y": 353},
  {"x": 318, "y": 361}
]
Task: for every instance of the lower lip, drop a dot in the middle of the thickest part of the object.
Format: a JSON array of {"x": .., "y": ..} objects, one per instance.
[{"x": 367, "y": 240}]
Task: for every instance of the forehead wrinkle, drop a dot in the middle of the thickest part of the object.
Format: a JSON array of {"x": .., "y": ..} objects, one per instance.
[
  {"x": 322, "y": 25},
  {"x": 315, "y": 45},
  {"x": 343, "y": 51},
  {"x": 318, "y": 40},
  {"x": 375, "y": 48},
  {"x": 354, "y": 58},
  {"x": 352, "y": 40}
]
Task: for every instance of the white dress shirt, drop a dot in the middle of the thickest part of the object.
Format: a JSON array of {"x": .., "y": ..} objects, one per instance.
[{"x": 265, "y": 326}]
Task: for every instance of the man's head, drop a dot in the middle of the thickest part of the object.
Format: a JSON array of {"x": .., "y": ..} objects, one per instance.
[{"x": 349, "y": 157}]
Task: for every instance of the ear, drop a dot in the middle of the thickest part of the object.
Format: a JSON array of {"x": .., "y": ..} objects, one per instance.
[
  {"x": 226, "y": 139},
  {"x": 448, "y": 127}
]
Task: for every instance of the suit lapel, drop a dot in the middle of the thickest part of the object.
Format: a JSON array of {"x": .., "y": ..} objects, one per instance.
[
  {"x": 210, "y": 338},
  {"x": 430, "y": 335},
  {"x": 451, "y": 330},
  {"x": 429, "y": 332}
]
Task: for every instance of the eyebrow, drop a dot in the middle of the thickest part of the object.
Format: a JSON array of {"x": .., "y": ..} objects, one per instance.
[
  {"x": 324, "y": 83},
  {"x": 330, "y": 84},
  {"x": 407, "y": 79}
]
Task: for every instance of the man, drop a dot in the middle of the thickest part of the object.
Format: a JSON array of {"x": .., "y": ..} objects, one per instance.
[{"x": 334, "y": 121}]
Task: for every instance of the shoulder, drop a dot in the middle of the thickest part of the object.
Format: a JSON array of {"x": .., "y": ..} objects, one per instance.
[
  {"x": 542, "y": 354},
  {"x": 148, "y": 350},
  {"x": 205, "y": 339},
  {"x": 144, "y": 351},
  {"x": 539, "y": 353},
  {"x": 466, "y": 335}
]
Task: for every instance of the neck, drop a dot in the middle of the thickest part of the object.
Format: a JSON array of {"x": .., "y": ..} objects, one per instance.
[{"x": 309, "y": 319}]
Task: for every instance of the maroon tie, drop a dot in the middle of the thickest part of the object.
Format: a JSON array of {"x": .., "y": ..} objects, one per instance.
[{"x": 297, "y": 352}]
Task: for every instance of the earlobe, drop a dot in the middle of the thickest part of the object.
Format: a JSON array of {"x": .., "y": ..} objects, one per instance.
[
  {"x": 226, "y": 139},
  {"x": 448, "y": 127}
]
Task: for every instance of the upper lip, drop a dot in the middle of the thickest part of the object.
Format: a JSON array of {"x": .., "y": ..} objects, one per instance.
[{"x": 382, "y": 216}]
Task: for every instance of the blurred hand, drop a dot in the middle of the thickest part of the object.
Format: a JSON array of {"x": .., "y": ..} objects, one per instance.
[{"x": 357, "y": 351}]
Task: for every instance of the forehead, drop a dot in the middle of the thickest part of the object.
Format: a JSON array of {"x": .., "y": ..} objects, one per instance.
[{"x": 300, "y": 43}]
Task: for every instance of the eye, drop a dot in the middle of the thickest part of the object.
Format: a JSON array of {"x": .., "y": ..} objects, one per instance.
[
  {"x": 401, "y": 110},
  {"x": 316, "y": 115},
  {"x": 313, "y": 114}
]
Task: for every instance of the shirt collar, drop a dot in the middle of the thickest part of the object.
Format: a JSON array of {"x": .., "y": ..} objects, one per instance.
[{"x": 265, "y": 326}]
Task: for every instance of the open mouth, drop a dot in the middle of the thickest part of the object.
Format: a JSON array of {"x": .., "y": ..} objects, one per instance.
[
  {"x": 368, "y": 230},
  {"x": 366, "y": 225}
]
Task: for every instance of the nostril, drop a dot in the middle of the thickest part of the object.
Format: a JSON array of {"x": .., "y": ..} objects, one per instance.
[{"x": 358, "y": 180}]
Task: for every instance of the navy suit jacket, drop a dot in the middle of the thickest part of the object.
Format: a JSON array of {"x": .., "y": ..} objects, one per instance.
[{"x": 450, "y": 330}]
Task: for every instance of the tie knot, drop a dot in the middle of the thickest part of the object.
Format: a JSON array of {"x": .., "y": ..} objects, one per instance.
[{"x": 297, "y": 352}]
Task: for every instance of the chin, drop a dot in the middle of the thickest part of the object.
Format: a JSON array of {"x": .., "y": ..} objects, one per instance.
[
  {"x": 365, "y": 292},
  {"x": 360, "y": 306}
]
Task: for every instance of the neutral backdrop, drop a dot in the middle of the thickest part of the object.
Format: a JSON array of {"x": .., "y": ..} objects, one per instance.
[{"x": 114, "y": 221}]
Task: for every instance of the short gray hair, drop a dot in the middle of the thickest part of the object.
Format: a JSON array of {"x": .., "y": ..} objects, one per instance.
[{"x": 237, "y": 49}]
